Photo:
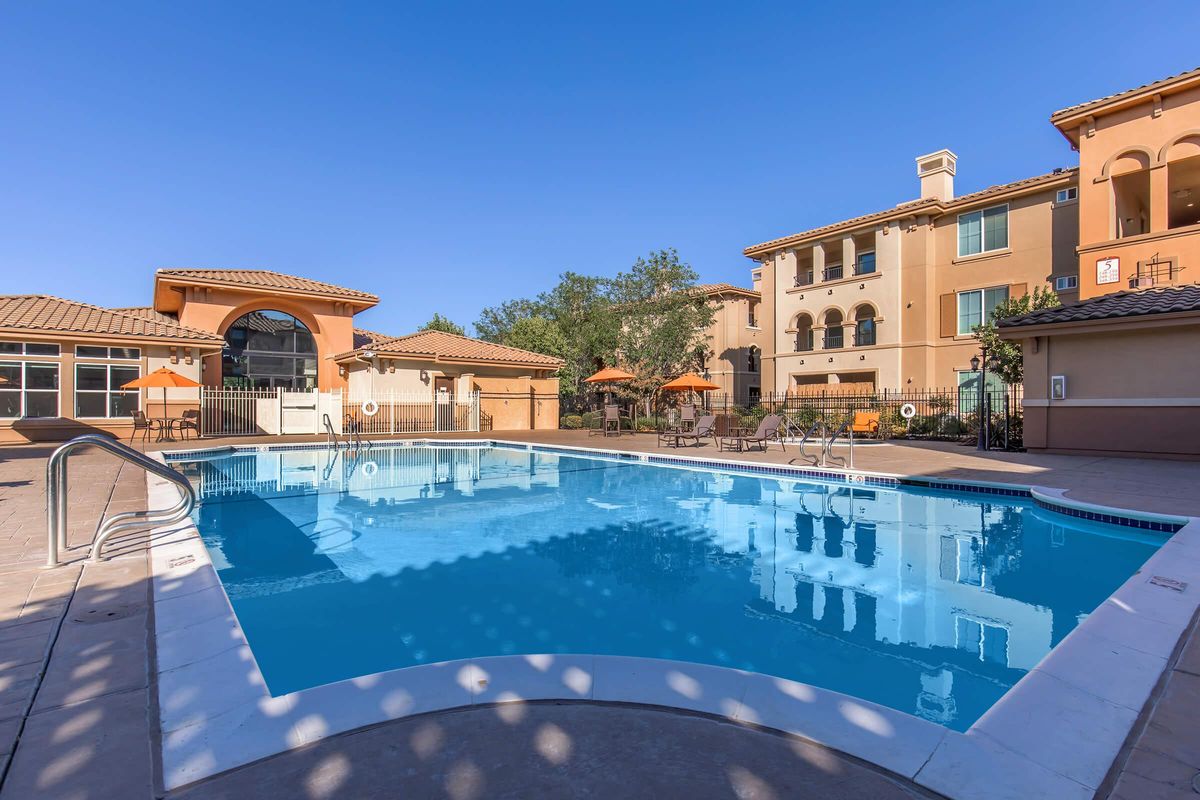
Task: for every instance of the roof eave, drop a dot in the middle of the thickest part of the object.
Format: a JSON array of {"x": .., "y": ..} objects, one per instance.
[
  {"x": 172, "y": 281},
  {"x": 1078, "y": 326},
  {"x": 1074, "y": 115},
  {"x": 140, "y": 338}
]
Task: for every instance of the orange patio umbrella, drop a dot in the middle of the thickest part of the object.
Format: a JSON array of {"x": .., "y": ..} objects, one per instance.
[
  {"x": 166, "y": 378},
  {"x": 610, "y": 375},
  {"x": 691, "y": 382}
]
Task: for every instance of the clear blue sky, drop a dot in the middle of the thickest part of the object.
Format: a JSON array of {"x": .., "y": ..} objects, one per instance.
[{"x": 449, "y": 156}]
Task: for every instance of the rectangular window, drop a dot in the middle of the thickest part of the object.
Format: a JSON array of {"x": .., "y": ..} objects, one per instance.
[
  {"x": 1066, "y": 282},
  {"x": 975, "y": 307},
  {"x": 983, "y": 231},
  {"x": 114, "y": 353},
  {"x": 98, "y": 391},
  {"x": 28, "y": 390},
  {"x": 28, "y": 348},
  {"x": 1066, "y": 195},
  {"x": 864, "y": 264}
]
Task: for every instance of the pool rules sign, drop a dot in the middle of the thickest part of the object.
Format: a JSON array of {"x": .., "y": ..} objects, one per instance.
[{"x": 1108, "y": 270}]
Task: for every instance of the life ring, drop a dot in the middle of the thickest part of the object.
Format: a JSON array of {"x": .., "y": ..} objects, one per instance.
[
  {"x": 370, "y": 408},
  {"x": 908, "y": 411},
  {"x": 369, "y": 469}
]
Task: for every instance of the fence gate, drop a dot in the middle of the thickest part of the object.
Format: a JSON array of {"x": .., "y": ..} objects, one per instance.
[{"x": 298, "y": 412}]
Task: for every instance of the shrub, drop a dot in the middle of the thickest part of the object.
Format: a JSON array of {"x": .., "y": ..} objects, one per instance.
[{"x": 571, "y": 422}]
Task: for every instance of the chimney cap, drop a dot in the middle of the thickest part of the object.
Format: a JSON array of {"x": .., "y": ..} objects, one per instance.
[{"x": 943, "y": 160}]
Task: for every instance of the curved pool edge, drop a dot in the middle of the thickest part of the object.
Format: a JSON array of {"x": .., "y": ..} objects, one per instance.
[{"x": 216, "y": 714}]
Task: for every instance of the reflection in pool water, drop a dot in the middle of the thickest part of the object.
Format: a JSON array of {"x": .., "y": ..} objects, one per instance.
[{"x": 931, "y": 603}]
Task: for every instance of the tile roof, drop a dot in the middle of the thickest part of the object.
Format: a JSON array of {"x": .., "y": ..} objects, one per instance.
[
  {"x": 440, "y": 345},
  {"x": 148, "y": 312},
  {"x": 1078, "y": 107},
  {"x": 1162, "y": 300},
  {"x": 364, "y": 337},
  {"x": 44, "y": 313},
  {"x": 722, "y": 288},
  {"x": 931, "y": 204},
  {"x": 268, "y": 279}
]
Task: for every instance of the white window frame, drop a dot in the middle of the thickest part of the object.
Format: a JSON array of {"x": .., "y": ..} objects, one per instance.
[
  {"x": 983, "y": 314},
  {"x": 983, "y": 250},
  {"x": 1067, "y": 195},
  {"x": 25, "y": 383},
  {"x": 25, "y": 350},
  {"x": 108, "y": 353},
  {"x": 109, "y": 391},
  {"x": 1065, "y": 283}
]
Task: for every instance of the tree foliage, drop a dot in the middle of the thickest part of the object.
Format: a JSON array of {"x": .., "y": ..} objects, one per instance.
[
  {"x": 444, "y": 324},
  {"x": 648, "y": 321},
  {"x": 1005, "y": 356}
]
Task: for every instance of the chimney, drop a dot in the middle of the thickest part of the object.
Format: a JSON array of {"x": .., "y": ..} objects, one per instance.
[{"x": 936, "y": 172}]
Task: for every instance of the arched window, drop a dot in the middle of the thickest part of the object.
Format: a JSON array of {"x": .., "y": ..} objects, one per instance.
[
  {"x": 864, "y": 326},
  {"x": 1130, "y": 179},
  {"x": 752, "y": 359},
  {"x": 834, "y": 336},
  {"x": 268, "y": 350},
  {"x": 804, "y": 333},
  {"x": 1183, "y": 192}
]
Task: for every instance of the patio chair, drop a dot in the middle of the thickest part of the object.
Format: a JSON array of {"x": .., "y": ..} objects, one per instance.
[
  {"x": 190, "y": 421},
  {"x": 865, "y": 423},
  {"x": 687, "y": 417},
  {"x": 767, "y": 431},
  {"x": 704, "y": 430},
  {"x": 610, "y": 423},
  {"x": 141, "y": 423}
]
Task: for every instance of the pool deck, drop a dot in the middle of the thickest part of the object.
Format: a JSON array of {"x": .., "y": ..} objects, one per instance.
[{"x": 78, "y": 716}]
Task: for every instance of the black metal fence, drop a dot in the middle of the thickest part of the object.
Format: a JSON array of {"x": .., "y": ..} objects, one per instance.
[{"x": 953, "y": 414}]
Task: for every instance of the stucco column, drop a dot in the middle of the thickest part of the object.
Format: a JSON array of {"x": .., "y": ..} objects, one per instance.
[
  {"x": 818, "y": 252},
  {"x": 848, "y": 256},
  {"x": 1159, "y": 197}
]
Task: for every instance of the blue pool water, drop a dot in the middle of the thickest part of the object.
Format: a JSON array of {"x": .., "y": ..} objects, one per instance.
[{"x": 930, "y": 602}]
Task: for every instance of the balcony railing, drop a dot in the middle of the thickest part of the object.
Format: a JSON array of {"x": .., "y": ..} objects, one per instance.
[
  {"x": 833, "y": 273},
  {"x": 804, "y": 345},
  {"x": 834, "y": 339},
  {"x": 862, "y": 268},
  {"x": 1155, "y": 273},
  {"x": 864, "y": 338},
  {"x": 805, "y": 280}
]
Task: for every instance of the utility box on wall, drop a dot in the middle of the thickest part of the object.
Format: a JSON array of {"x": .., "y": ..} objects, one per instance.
[{"x": 1058, "y": 387}]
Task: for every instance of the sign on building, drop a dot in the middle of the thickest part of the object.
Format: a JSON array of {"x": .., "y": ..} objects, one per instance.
[{"x": 1108, "y": 270}]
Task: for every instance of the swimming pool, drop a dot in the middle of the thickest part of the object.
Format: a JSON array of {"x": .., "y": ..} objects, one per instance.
[{"x": 933, "y": 603}]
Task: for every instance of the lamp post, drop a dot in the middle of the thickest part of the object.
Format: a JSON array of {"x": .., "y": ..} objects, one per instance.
[{"x": 980, "y": 365}]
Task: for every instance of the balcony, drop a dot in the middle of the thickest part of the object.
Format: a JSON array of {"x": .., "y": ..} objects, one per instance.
[
  {"x": 835, "y": 339},
  {"x": 833, "y": 273},
  {"x": 864, "y": 338},
  {"x": 804, "y": 346},
  {"x": 805, "y": 279}
]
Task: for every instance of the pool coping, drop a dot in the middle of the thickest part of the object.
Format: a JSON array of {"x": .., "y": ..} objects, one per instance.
[{"x": 215, "y": 712}]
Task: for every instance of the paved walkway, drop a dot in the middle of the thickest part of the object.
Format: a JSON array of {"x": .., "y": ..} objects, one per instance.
[{"x": 77, "y": 709}]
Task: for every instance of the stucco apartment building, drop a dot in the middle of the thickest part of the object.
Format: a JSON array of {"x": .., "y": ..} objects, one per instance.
[
  {"x": 1119, "y": 371},
  {"x": 887, "y": 300},
  {"x": 736, "y": 341},
  {"x": 63, "y": 362}
]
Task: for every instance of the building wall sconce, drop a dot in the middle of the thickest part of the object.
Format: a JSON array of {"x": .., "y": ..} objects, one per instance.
[
  {"x": 424, "y": 376},
  {"x": 187, "y": 356},
  {"x": 174, "y": 355}
]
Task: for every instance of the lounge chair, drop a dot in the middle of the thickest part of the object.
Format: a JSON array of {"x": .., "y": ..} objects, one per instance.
[
  {"x": 143, "y": 424},
  {"x": 190, "y": 421},
  {"x": 865, "y": 423},
  {"x": 768, "y": 430},
  {"x": 703, "y": 430}
]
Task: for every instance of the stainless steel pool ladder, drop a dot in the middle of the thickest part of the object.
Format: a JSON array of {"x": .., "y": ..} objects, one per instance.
[
  {"x": 827, "y": 451},
  {"x": 56, "y": 497},
  {"x": 352, "y": 436}
]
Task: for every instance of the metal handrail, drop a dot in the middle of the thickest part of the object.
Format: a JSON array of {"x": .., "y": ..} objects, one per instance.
[
  {"x": 827, "y": 452},
  {"x": 56, "y": 496},
  {"x": 331, "y": 439}
]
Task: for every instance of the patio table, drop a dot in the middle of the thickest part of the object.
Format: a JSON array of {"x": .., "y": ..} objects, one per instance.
[{"x": 166, "y": 427}]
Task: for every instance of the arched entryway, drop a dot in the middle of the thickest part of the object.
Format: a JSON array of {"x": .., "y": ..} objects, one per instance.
[{"x": 268, "y": 349}]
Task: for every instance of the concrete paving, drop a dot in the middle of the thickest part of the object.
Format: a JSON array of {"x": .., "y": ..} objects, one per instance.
[{"x": 77, "y": 714}]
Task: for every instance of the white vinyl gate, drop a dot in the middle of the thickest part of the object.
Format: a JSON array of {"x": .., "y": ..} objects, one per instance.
[{"x": 270, "y": 412}]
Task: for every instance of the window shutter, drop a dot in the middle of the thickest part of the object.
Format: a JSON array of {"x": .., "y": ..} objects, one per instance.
[
  {"x": 1017, "y": 290},
  {"x": 949, "y": 320}
]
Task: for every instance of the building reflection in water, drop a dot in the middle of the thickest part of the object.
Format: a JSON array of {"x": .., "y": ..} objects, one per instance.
[{"x": 930, "y": 602}]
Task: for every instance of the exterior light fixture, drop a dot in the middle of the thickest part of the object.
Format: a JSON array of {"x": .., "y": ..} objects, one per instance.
[{"x": 974, "y": 363}]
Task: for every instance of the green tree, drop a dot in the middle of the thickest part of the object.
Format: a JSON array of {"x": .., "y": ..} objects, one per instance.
[
  {"x": 1005, "y": 356},
  {"x": 444, "y": 324},
  {"x": 542, "y": 335},
  {"x": 663, "y": 320},
  {"x": 496, "y": 323}
]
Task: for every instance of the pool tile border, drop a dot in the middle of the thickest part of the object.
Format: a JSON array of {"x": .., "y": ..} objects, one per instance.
[{"x": 1136, "y": 629}]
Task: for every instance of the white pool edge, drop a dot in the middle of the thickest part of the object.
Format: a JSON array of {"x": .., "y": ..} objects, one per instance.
[{"x": 216, "y": 714}]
